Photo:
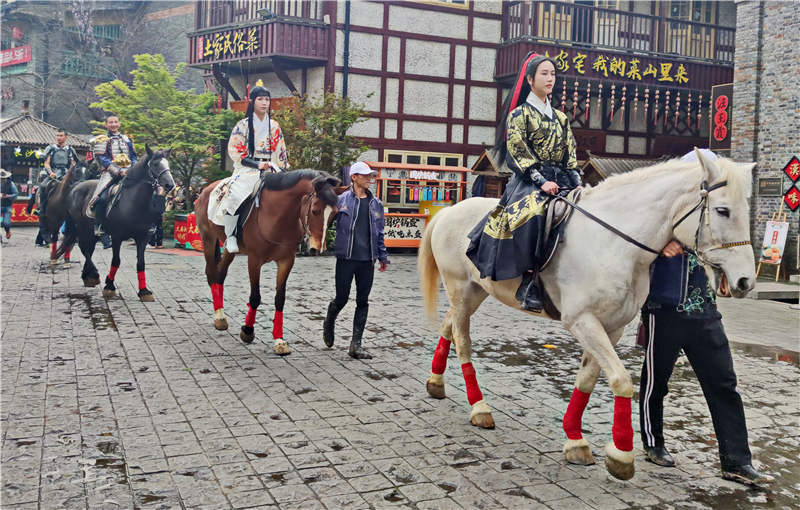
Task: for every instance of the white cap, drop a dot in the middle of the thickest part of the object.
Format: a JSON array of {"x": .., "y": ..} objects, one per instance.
[
  {"x": 691, "y": 156},
  {"x": 359, "y": 167}
]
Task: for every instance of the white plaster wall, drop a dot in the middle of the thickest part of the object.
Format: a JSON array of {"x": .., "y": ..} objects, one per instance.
[
  {"x": 393, "y": 55},
  {"x": 365, "y": 50},
  {"x": 359, "y": 88},
  {"x": 368, "y": 14},
  {"x": 490, "y": 6},
  {"x": 457, "y": 134},
  {"x": 487, "y": 30},
  {"x": 425, "y": 98},
  {"x": 482, "y": 103},
  {"x": 392, "y": 94},
  {"x": 471, "y": 159},
  {"x": 460, "y": 64},
  {"x": 315, "y": 82},
  {"x": 483, "y": 64},
  {"x": 481, "y": 134},
  {"x": 424, "y": 131},
  {"x": 615, "y": 143},
  {"x": 390, "y": 128},
  {"x": 370, "y": 155},
  {"x": 427, "y": 58},
  {"x": 637, "y": 145},
  {"x": 405, "y": 19},
  {"x": 368, "y": 128},
  {"x": 458, "y": 101}
]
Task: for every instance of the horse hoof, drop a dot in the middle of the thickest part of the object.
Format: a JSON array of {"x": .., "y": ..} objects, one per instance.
[
  {"x": 67, "y": 265},
  {"x": 435, "y": 390},
  {"x": 482, "y": 420},
  {"x": 247, "y": 334},
  {"x": 221, "y": 324},
  {"x": 577, "y": 451},
  {"x": 618, "y": 463},
  {"x": 109, "y": 293},
  {"x": 53, "y": 262},
  {"x": 146, "y": 296},
  {"x": 281, "y": 347},
  {"x": 91, "y": 282}
]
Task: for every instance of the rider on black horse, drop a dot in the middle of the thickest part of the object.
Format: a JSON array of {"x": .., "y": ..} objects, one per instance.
[
  {"x": 59, "y": 158},
  {"x": 115, "y": 153}
]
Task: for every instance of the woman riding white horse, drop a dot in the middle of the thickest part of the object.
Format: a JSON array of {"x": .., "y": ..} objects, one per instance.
[{"x": 597, "y": 280}]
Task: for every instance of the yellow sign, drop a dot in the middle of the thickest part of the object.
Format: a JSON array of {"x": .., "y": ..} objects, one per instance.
[
  {"x": 229, "y": 43},
  {"x": 616, "y": 65}
]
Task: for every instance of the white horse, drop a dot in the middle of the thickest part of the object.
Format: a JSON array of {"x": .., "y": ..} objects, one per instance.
[{"x": 597, "y": 280}]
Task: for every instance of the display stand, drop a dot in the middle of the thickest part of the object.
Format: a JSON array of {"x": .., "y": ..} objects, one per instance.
[{"x": 779, "y": 216}]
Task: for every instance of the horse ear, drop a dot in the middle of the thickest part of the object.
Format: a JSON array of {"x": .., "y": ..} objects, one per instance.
[
  {"x": 149, "y": 150},
  {"x": 333, "y": 181},
  {"x": 747, "y": 176},
  {"x": 711, "y": 170}
]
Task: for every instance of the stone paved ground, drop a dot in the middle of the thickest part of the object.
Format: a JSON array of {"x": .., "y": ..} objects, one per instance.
[{"x": 121, "y": 404}]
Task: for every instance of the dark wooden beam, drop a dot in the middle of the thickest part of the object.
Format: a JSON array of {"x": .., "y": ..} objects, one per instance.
[
  {"x": 281, "y": 73},
  {"x": 223, "y": 80}
]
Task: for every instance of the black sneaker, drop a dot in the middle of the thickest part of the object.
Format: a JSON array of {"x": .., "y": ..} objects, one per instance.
[
  {"x": 659, "y": 455},
  {"x": 746, "y": 474}
]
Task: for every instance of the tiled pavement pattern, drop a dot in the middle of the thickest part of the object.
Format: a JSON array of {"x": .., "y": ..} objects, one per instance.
[{"x": 121, "y": 404}]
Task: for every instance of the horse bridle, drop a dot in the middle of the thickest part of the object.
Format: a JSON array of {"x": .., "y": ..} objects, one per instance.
[
  {"x": 702, "y": 204},
  {"x": 155, "y": 180}
]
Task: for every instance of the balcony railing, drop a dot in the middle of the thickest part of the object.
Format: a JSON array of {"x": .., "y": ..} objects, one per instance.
[
  {"x": 212, "y": 14},
  {"x": 567, "y": 23}
]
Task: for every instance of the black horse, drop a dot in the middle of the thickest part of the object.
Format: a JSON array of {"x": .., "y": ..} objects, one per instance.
[
  {"x": 140, "y": 204},
  {"x": 55, "y": 213}
]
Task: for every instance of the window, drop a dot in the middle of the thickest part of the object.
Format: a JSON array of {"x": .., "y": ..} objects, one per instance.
[{"x": 427, "y": 158}]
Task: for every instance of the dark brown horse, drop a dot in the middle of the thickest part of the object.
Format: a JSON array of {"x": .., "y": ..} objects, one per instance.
[
  {"x": 291, "y": 205},
  {"x": 56, "y": 210}
]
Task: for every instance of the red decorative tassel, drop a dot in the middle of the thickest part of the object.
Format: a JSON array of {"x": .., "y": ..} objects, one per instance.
[
  {"x": 699, "y": 110},
  {"x": 636, "y": 103},
  {"x": 600, "y": 98},
  {"x": 563, "y": 95},
  {"x": 666, "y": 108},
  {"x": 646, "y": 102},
  {"x": 588, "y": 103},
  {"x": 677, "y": 108},
  {"x": 655, "y": 109},
  {"x": 574, "y": 99},
  {"x": 622, "y": 101},
  {"x": 613, "y": 93}
]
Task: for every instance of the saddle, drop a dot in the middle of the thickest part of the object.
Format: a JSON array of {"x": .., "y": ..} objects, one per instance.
[{"x": 252, "y": 202}]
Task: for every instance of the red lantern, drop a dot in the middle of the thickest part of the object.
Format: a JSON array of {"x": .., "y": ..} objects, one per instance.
[{"x": 17, "y": 34}]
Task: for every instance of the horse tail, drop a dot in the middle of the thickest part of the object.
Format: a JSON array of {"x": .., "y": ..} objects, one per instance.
[{"x": 428, "y": 272}]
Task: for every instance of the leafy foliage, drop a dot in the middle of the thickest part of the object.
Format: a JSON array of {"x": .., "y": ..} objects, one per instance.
[
  {"x": 153, "y": 111},
  {"x": 316, "y": 134}
]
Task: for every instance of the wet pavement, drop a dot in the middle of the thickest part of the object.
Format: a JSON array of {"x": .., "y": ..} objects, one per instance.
[{"x": 122, "y": 404}]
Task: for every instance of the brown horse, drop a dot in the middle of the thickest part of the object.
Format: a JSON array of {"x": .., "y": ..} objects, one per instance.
[
  {"x": 56, "y": 210},
  {"x": 291, "y": 205}
]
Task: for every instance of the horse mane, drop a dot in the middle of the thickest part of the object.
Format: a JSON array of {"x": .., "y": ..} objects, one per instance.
[{"x": 286, "y": 180}]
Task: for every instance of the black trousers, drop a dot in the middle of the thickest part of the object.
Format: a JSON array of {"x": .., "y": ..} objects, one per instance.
[
  {"x": 706, "y": 345},
  {"x": 346, "y": 270}
]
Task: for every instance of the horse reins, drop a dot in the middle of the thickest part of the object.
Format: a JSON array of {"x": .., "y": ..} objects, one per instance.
[
  {"x": 702, "y": 204},
  {"x": 303, "y": 219}
]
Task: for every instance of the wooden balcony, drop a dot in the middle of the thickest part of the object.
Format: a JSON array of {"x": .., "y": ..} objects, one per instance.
[
  {"x": 567, "y": 25},
  {"x": 233, "y": 30}
]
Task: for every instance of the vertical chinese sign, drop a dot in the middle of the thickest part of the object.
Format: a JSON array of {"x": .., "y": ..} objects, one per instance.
[{"x": 719, "y": 134}]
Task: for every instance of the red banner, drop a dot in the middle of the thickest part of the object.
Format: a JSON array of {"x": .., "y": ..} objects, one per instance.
[
  {"x": 187, "y": 235},
  {"x": 14, "y": 56},
  {"x": 18, "y": 214}
]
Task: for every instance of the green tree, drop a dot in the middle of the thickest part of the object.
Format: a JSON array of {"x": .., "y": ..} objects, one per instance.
[
  {"x": 153, "y": 111},
  {"x": 316, "y": 134}
]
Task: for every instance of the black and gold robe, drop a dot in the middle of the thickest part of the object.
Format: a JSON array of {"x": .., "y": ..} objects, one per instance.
[{"x": 539, "y": 149}]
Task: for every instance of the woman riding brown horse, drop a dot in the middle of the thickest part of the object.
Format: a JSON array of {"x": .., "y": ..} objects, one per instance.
[{"x": 290, "y": 205}]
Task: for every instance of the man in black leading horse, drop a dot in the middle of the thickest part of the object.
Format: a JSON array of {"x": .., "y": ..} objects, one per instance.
[{"x": 58, "y": 159}]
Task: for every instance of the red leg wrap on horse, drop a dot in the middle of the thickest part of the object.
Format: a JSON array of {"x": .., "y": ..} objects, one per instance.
[
  {"x": 142, "y": 281},
  {"x": 112, "y": 272},
  {"x": 574, "y": 414},
  {"x": 216, "y": 295},
  {"x": 440, "y": 356},
  {"x": 67, "y": 255},
  {"x": 622, "y": 430},
  {"x": 473, "y": 392},
  {"x": 277, "y": 326},
  {"x": 250, "y": 318},
  {"x": 53, "y": 248}
]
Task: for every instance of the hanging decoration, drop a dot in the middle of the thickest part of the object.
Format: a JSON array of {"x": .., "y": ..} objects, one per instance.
[
  {"x": 588, "y": 96},
  {"x": 622, "y": 102},
  {"x": 563, "y": 94},
  {"x": 666, "y": 108},
  {"x": 689, "y": 111},
  {"x": 655, "y": 109},
  {"x": 600, "y": 100},
  {"x": 574, "y": 100},
  {"x": 677, "y": 108},
  {"x": 699, "y": 110},
  {"x": 636, "y": 103},
  {"x": 613, "y": 93},
  {"x": 646, "y": 103}
]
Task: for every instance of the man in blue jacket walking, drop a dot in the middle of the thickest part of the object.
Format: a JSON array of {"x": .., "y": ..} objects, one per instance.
[{"x": 359, "y": 243}]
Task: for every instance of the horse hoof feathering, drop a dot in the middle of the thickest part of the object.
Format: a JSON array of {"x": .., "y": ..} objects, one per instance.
[
  {"x": 481, "y": 415},
  {"x": 247, "y": 334},
  {"x": 281, "y": 347},
  {"x": 435, "y": 386},
  {"x": 146, "y": 296},
  {"x": 577, "y": 451},
  {"x": 109, "y": 293},
  {"x": 67, "y": 265},
  {"x": 618, "y": 463}
]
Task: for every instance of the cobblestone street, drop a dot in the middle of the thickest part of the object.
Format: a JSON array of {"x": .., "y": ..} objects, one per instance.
[{"x": 122, "y": 404}]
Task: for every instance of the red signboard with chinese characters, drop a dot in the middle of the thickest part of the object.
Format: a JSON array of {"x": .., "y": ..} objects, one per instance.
[
  {"x": 14, "y": 56},
  {"x": 187, "y": 235},
  {"x": 19, "y": 213},
  {"x": 719, "y": 137},
  {"x": 792, "y": 169},
  {"x": 792, "y": 198}
]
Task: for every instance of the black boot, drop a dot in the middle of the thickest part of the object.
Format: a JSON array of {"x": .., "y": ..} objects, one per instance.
[
  {"x": 99, "y": 217},
  {"x": 528, "y": 293},
  {"x": 746, "y": 474},
  {"x": 359, "y": 321},
  {"x": 659, "y": 455},
  {"x": 328, "y": 326}
]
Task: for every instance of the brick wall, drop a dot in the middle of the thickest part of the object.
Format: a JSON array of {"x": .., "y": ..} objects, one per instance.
[{"x": 766, "y": 105}]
